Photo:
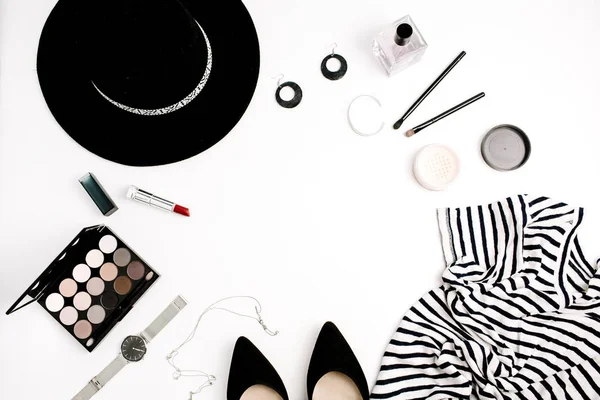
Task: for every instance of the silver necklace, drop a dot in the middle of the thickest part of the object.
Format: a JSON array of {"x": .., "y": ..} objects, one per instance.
[{"x": 209, "y": 379}]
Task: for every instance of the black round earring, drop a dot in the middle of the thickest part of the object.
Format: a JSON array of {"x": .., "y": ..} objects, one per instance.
[
  {"x": 297, "y": 94},
  {"x": 334, "y": 75}
]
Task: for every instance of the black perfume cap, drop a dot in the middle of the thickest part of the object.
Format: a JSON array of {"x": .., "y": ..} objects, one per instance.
[{"x": 403, "y": 34}]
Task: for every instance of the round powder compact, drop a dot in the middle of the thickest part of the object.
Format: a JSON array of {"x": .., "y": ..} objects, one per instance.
[
  {"x": 365, "y": 115},
  {"x": 505, "y": 148},
  {"x": 435, "y": 167}
]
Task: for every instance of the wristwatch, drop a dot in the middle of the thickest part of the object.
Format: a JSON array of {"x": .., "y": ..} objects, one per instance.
[{"x": 133, "y": 349}]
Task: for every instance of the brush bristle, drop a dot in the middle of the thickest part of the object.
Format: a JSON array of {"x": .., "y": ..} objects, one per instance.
[
  {"x": 410, "y": 133},
  {"x": 398, "y": 123}
]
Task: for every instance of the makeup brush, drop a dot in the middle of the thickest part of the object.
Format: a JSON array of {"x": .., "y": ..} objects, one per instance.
[
  {"x": 443, "y": 115},
  {"x": 429, "y": 89}
]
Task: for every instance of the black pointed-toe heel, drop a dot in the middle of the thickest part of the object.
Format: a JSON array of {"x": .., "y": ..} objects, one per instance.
[
  {"x": 334, "y": 372},
  {"x": 251, "y": 375}
]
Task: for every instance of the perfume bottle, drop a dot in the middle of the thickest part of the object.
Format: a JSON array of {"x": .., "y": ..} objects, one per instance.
[{"x": 399, "y": 46}]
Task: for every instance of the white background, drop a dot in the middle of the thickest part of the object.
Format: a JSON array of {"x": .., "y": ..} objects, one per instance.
[{"x": 293, "y": 207}]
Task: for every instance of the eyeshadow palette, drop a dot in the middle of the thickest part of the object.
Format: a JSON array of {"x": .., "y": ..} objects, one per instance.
[{"x": 93, "y": 283}]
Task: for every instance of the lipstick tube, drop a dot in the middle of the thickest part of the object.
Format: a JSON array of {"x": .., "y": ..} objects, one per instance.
[{"x": 148, "y": 198}]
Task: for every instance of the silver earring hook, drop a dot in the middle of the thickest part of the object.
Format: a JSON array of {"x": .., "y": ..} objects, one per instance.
[
  {"x": 333, "y": 47},
  {"x": 280, "y": 76}
]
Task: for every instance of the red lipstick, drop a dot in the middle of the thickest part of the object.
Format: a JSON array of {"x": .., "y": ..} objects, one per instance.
[
  {"x": 181, "y": 210},
  {"x": 148, "y": 198}
]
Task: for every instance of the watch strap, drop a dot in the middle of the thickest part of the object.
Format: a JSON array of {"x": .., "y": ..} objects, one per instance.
[
  {"x": 118, "y": 363},
  {"x": 163, "y": 319},
  {"x": 101, "y": 379}
]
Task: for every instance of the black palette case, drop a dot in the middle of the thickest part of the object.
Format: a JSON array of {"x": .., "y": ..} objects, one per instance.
[{"x": 91, "y": 285}]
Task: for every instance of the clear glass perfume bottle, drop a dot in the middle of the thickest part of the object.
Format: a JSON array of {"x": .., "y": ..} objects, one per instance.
[{"x": 399, "y": 46}]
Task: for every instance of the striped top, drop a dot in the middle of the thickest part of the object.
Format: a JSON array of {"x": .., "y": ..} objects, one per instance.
[{"x": 517, "y": 316}]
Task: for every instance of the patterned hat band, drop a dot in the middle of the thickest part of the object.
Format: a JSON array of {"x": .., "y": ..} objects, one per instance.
[{"x": 176, "y": 106}]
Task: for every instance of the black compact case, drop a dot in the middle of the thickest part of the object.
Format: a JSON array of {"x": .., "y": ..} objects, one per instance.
[{"x": 91, "y": 286}]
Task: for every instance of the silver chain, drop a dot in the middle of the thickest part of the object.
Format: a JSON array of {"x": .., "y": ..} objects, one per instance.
[{"x": 209, "y": 379}]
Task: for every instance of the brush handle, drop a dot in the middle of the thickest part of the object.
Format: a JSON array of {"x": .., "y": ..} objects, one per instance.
[
  {"x": 448, "y": 112},
  {"x": 430, "y": 89}
]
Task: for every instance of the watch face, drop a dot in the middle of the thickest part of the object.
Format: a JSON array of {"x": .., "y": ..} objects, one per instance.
[{"x": 133, "y": 348}]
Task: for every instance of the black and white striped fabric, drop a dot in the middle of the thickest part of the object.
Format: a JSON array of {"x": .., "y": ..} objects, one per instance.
[{"x": 517, "y": 316}]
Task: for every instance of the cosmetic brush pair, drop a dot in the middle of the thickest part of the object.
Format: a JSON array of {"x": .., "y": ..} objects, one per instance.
[{"x": 413, "y": 131}]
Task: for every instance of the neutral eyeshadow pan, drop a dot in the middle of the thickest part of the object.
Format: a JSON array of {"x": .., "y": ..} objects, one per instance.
[
  {"x": 136, "y": 270},
  {"x": 82, "y": 329},
  {"x": 95, "y": 286},
  {"x": 109, "y": 300},
  {"x": 81, "y": 273},
  {"x": 94, "y": 258},
  {"x": 68, "y": 316},
  {"x": 122, "y": 257},
  {"x": 108, "y": 244},
  {"x": 109, "y": 272},
  {"x": 96, "y": 314},
  {"x": 68, "y": 287},
  {"x": 122, "y": 285},
  {"x": 55, "y": 302},
  {"x": 82, "y": 301}
]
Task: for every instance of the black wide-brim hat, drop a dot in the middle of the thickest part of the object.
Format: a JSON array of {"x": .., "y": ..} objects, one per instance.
[{"x": 148, "y": 82}]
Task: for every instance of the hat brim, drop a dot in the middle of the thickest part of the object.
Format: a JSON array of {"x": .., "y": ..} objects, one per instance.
[{"x": 139, "y": 140}]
